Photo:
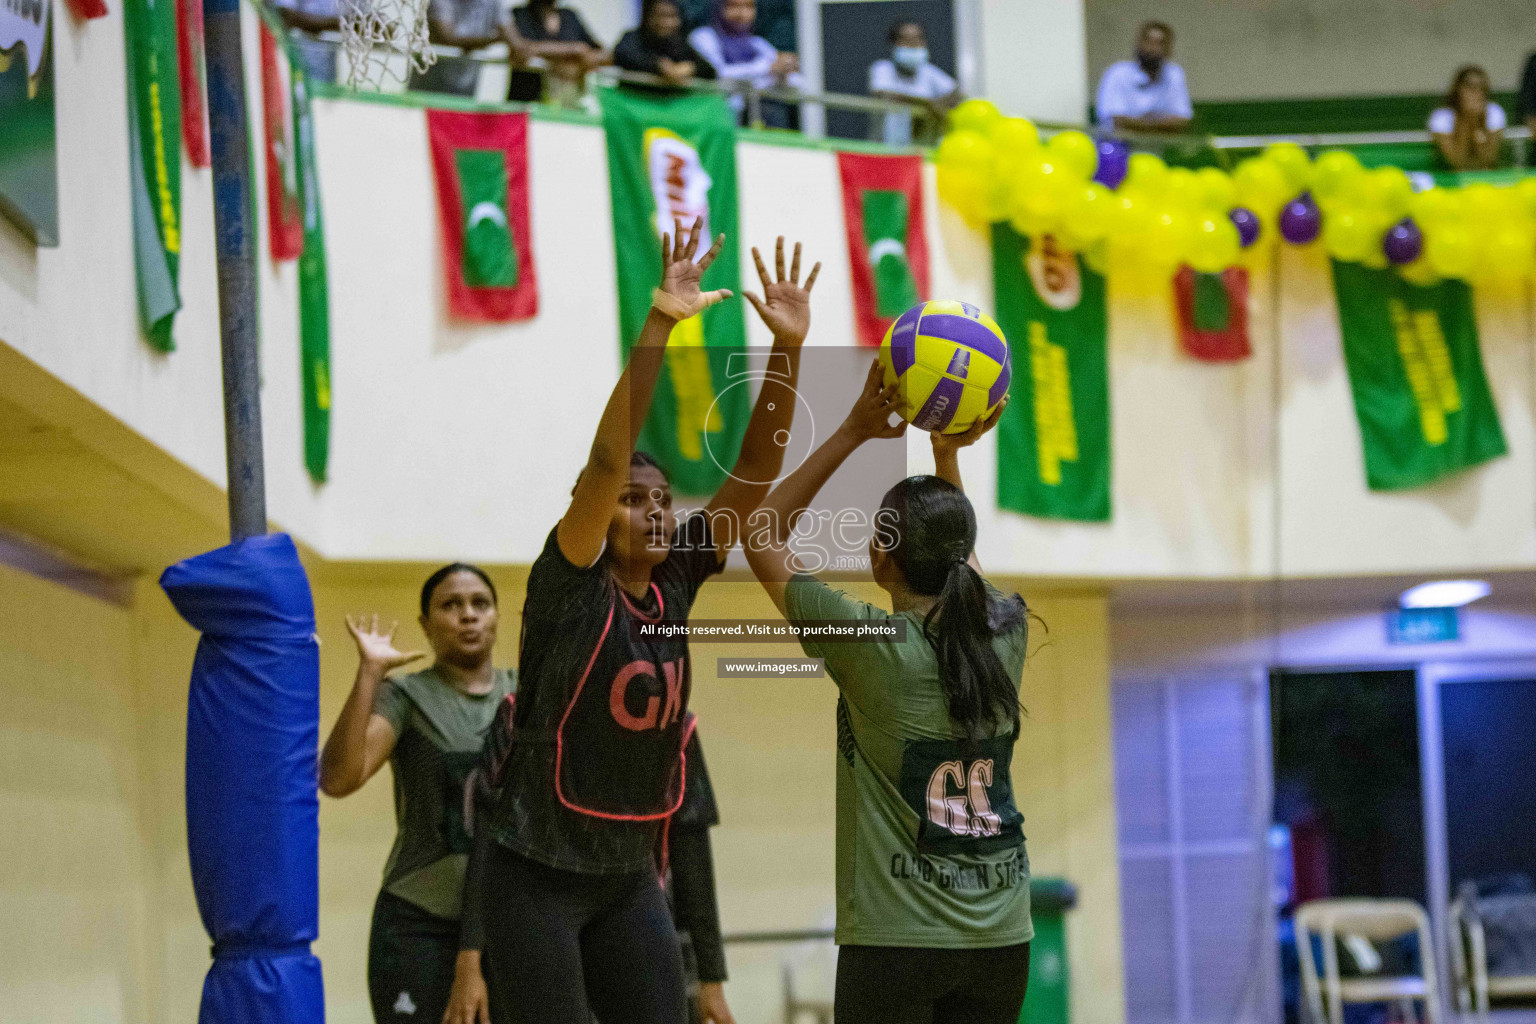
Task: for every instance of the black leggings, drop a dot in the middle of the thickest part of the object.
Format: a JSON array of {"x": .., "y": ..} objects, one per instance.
[
  {"x": 561, "y": 947},
  {"x": 901, "y": 985},
  {"x": 411, "y": 955}
]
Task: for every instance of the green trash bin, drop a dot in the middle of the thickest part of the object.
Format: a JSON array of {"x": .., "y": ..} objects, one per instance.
[{"x": 1046, "y": 1001}]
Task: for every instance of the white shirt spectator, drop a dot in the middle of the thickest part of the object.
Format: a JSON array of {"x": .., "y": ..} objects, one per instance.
[
  {"x": 758, "y": 71},
  {"x": 929, "y": 83},
  {"x": 1128, "y": 91},
  {"x": 1443, "y": 120}
]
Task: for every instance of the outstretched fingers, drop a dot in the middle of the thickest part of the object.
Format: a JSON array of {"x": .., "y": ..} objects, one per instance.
[
  {"x": 762, "y": 269},
  {"x": 710, "y": 298},
  {"x": 810, "y": 281},
  {"x": 778, "y": 257},
  {"x": 709, "y": 257},
  {"x": 794, "y": 266},
  {"x": 757, "y": 304}
]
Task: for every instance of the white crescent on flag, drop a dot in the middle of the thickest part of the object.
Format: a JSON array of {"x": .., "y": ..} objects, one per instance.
[
  {"x": 486, "y": 210},
  {"x": 887, "y": 247}
]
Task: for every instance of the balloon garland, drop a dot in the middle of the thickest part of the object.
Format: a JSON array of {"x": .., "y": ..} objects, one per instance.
[{"x": 1099, "y": 198}]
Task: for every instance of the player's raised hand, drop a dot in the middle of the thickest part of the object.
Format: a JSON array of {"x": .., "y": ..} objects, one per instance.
[
  {"x": 376, "y": 647},
  {"x": 966, "y": 438},
  {"x": 785, "y": 305},
  {"x": 871, "y": 414},
  {"x": 680, "y": 274}
]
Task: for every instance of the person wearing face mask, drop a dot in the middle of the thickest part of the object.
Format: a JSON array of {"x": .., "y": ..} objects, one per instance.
[
  {"x": 1147, "y": 94},
  {"x": 908, "y": 75}
]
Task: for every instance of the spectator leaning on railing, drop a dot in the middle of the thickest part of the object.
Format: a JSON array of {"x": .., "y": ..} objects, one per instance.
[
  {"x": 658, "y": 46},
  {"x": 727, "y": 41},
  {"x": 1469, "y": 128},
  {"x": 1147, "y": 94},
  {"x": 557, "y": 37},
  {"x": 312, "y": 17},
  {"x": 469, "y": 25},
  {"x": 907, "y": 74}
]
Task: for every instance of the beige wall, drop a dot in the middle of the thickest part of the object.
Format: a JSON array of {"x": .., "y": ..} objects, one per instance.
[{"x": 96, "y": 891}]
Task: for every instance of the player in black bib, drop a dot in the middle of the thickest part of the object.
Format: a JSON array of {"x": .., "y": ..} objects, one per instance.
[{"x": 571, "y": 912}]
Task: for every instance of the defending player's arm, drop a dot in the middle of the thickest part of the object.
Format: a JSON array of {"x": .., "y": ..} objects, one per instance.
[
  {"x": 584, "y": 526},
  {"x": 946, "y": 454},
  {"x": 468, "y": 1002},
  {"x": 362, "y": 739},
  {"x": 786, "y": 308},
  {"x": 768, "y": 532}
]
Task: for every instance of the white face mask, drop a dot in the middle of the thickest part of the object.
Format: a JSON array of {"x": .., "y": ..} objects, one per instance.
[{"x": 910, "y": 58}]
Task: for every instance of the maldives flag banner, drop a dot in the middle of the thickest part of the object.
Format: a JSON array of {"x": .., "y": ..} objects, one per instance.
[
  {"x": 189, "y": 59},
  {"x": 285, "y": 215},
  {"x": 154, "y": 125},
  {"x": 1053, "y": 456},
  {"x": 314, "y": 289},
  {"x": 1213, "y": 314},
  {"x": 85, "y": 10},
  {"x": 887, "y": 248},
  {"x": 480, "y": 163},
  {"x": 1416, "y": 372},
  {"x": 672, "y": 159}
]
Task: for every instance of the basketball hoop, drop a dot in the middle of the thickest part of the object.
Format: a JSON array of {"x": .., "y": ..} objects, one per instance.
[{"x": 384, "y": 39}]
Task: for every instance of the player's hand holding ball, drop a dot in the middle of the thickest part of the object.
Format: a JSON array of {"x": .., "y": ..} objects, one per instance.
[
  {"x": 679, "y": 296},
  {"x": 871, "y": 414},
  {"x": 951, "y": 362},
  {"x": 786, "y": 305}
]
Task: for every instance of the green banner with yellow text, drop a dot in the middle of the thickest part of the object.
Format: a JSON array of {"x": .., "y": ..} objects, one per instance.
[
  {"x": 154, "y": 142},
  {"x": 1053, "y": 457},
  {"x": 1416, "y": 372},
  {"x": 673, "y": 158},
  {"x": 314, "y": 291}
]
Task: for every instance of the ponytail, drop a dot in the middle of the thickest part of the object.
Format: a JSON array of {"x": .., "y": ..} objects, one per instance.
[{"x": 934, "y": 533}]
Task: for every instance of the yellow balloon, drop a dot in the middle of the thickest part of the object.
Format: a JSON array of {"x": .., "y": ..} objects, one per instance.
[
  {"x": 1074, "y": 152},
  {"x": 1180, "y": 190},
  {"x": 1214, "y": 245},
  {"x": 1170, "y": 238},
  {"x": 966, "y": 151},
  {"x": 1014, "y": 137},
  {"x": 1435, "y": 206},
  {"x": 1508, "y": 254},
  {"x": 1482, "y": 204},
  {"x": 1089, "y": 216},
  {"x": 1146, "y": 172},
  {"x": 1389, "y": 191},
  {"x": 1349, "y": 236},
  {"x": 1261, "y": 186},
  {"x": 975, "y": 116},
  {"x": 1420, "y": 272},
  {"x": 1450, "y": 251},
  {"x": 1096, "y": 257},
  {"x": 1337, "y": 176},
  {"x": 966, "y": 191},
  {"x": 1215, "y": 189},
  {"x": 1040, "y": 200},
  {"x": 1525, "y": 192},
  {"x": 1293, "y": 162}
]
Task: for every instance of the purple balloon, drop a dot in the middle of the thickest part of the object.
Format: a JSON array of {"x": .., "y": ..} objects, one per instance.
[
  {"x": 1114, "y": 162},
  {"x": 1404, "y": 243},
  {"x": 1301, "y": 221},
  {"x": 1247, "y": 225}
]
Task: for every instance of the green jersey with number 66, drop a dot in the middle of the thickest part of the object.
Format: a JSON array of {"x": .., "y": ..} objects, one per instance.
[{"x": 930, "y": 847}]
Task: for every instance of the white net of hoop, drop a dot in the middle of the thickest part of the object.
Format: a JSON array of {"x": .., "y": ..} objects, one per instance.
[{"x": 384, "y": 40}]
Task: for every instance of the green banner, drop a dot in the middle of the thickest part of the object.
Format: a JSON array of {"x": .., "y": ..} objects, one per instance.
[
  {"x": 314, "y": 294},
  {"x": 674, "y": 158},
  {"x": 489, "y": 259},
  {"x": 29, "y": 189},
  {"x": 154, "y": 142},
  {"x": 1053, "y": 457},
  {"x": 885, "y": 235},
  {"x": 1416, "y": 372}
]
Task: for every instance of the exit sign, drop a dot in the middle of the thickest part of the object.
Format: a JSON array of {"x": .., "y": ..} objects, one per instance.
[{"x": 1423, "y": 625}]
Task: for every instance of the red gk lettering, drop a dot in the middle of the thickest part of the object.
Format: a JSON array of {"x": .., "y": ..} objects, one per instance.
[{"x": 657, "y": 715}]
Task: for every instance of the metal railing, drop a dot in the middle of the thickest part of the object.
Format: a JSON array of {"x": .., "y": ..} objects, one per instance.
[{"x": 926, "y": 128}]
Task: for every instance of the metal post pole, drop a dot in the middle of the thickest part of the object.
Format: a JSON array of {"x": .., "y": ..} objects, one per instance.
[{"x": 235, "y": 248}]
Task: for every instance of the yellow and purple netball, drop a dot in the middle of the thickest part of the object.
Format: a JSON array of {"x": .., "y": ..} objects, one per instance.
[{"x": 952, "y": 362}]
